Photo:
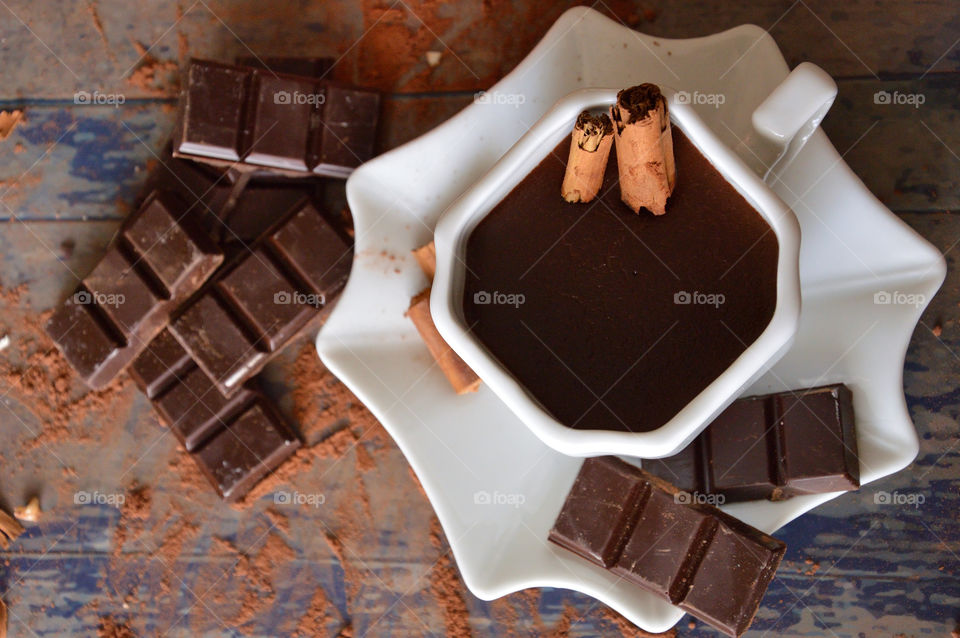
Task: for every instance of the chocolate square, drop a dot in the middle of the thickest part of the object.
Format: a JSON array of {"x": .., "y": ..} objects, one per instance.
[
  {"x": 599, "y": 510},
  {"x": 212, "y": 114},
  {"x": 217, "y": 343},
  {"x": 269, "y": 300},
  {"x": 237, "y": 457}
]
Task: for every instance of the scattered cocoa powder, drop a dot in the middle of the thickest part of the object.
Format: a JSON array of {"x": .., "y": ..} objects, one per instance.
[
  {"x": 448, "y": 588},
  {"x": 158, "y": 77},
  {"x": 110, "y": 627}
]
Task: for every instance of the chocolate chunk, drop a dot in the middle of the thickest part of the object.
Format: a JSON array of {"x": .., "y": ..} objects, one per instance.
[
  {"x": 712, "y": 565},
  {"x": 161, "y": 257},
  {"x": 269, "y": 300},
  {"x": 818, "y": 441},
  {"x": 260, "y": 303},
  {"x": 775, "y": 446},
  {"x": 194, "y": 409},
  {"x": 594, "y": 522},
  {"x": 212, "y": 117},
  {"x": 292, "y": 125},
  {"x": 87, "y": 339},
  {"x": 349, "y": 128},
  {"x": 227, "y": 437},
  {"x": 662, "y": 550},
  {"x": 159, "y": 364},
  {"x": 237, "y": 457},
  {"x": 215, "y": 339},
  {"x": 734, "y": 572}
]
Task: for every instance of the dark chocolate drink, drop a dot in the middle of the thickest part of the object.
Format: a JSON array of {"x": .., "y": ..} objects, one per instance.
[{"x": 612, "y": 320}]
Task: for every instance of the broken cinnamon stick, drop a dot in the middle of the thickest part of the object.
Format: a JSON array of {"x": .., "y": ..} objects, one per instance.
[
  {"x": 10, "y": 529},
  {"x": 644, "y": 142},
  {"x": 3, "y": 620},
  {"x": 458, "y": 373},
  {"x": 590, "y": 145},
  {"x": 426, "y": 256}
]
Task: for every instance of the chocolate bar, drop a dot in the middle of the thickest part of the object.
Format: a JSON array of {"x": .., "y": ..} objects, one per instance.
[
  {"x": 161, "y": 257},
  {"x": 642, "y": 529},
  {"x": 235, "y": 441},
  {"x": 252, "y": 119},
  {"x": 771, "y": 447},
  {"x": 259, "y": 304}
]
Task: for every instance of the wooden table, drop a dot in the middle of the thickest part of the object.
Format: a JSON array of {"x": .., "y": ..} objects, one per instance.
[{"x": 184, "y": 564}]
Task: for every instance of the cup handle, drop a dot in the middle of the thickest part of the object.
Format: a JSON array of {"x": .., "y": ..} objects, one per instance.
[{"x": 787, "y": 118}]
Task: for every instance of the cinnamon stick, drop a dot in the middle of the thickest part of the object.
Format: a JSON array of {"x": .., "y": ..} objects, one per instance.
[
  {"x": 590, "y": 145},
  {"x": 426, "y": 256},
  {"x": 644, "y": 142},
  {"x": 3, "y": 620},
  {"x": 458, "y": 373},
  {"x": 10, "y": 529}
]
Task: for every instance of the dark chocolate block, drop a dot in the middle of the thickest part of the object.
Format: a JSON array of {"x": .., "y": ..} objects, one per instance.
[
  {"x": 241, "y": 454},
  {"x": 775, "y": 446},
  {"x": 234, "y": 440},
  {"x": 161, "y": 257},
  {"x": 290, "y": 124},
  {"x": 159, "y": 364},
  {"x": 259, "y": 304},
  {"x": 711, "y": 564},
  {"x": 600, "y": 491}
]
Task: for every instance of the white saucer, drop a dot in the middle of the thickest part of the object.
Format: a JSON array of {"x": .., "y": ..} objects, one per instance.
[{"x": 496, "y": 488}]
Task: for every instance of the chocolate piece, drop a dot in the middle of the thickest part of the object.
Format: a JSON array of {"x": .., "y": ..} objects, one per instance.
[
  {"x": 259, "y": 304},
  {"x": 289, "y": 124},
  {"x": 159, "y": 364},
  {"x": 775, "y": 446},
  {"x": 712, "y": 565},
  {"x": 614, "y": 300},
  {"x": 236, "y": 440},
  {"x": 237, "y": 457},
  {"x": 161, "y": 257},
  {"x": 599, "y": 491}
]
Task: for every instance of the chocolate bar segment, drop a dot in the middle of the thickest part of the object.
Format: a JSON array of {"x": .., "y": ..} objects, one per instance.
[
  {"x": 594, "y": 523},
  {"x": 772, "y": 447},
  {"x": 733, "y": 573},
  {"x": 241, "y": 454},
  {"x": 161, "y": 257},
  {"x": 260, "y": 303},
  {"x": 711, "y": 564},
  {"x": 235, "y": 441},
  {"x": 292, "y": 125},
  {"x": 213, "y": 108},
  {"x": 818, "y": 441}
]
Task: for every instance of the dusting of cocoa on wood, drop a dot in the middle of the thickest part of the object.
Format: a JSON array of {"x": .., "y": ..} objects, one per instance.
[{"x": 448, "y": 588}]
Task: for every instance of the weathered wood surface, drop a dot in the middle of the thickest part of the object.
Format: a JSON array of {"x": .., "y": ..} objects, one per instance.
[{"x": 874, "y": 570}]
